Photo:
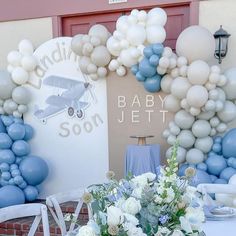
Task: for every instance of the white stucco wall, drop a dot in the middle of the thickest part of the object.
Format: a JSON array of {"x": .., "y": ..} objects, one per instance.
[
  {"x": 36, "y": 30},
  {"x": 212, "y": 14}
]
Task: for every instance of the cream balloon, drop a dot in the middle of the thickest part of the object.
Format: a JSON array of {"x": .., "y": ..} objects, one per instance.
[
  {"x": 181, "y": 153},
  {"x": 201, "y": 128},
  {"x": 100, "y": 56},
  {"x": 204, "y": 144},
  {"x": 112, "y": 45},
  {"x": 171, "y": 103},
  {"x": 83, "y": 64},
  {"x": 29, "y": 63},
  {"x": 14, "y": 58},
  {"x": 77, "y": 44},
  {"x": 194, "y": 156},
  {"x": 166, "y": 83},
  {"x": 26, "y": 47},
  {"x": 186, "y": 139},
  {"x": 183, "y": 119},
  {"x": 180, "y": 87},
  {"x": 99, "y": 31},
  {"x": 20, "y": 76},
  {"x": 228, "y": 113},
  {"x": 197, "y": 96},
  {"x": 122, "y": 24},
  {"x": 156, "y": 16}
]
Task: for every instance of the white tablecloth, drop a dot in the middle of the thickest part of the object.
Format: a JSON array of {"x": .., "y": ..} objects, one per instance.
[{"x": 220, "y": 228}]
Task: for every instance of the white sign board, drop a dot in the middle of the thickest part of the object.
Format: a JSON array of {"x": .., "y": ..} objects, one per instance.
[{"x": 68, "y": 112}]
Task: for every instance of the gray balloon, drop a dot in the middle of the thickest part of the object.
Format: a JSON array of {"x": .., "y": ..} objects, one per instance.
[
  {"x": 6, "y": 85},
  {"x": 2, "y": 112},
  {"x": 21, "y": 95},
  {"x": 22, "y": 108},
  {"x": 7, "y": 107},
  {"x": 77, "y": 44}
]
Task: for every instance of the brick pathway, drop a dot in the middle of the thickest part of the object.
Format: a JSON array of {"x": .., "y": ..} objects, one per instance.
[{"x": 20, "y": 227}]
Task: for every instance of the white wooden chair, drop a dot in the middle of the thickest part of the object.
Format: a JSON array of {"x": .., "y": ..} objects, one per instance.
[
  {"x": 53, "y": 202},
  {"x": 25, "y": 210}
]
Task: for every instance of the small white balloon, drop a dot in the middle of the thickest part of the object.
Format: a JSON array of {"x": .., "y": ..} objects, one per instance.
[
  {"x": 210, "y": 86},
  {"x": 17, "y": 114},
  {"x": 113, "y": 46},
  {"x": 221, "y": 128},
  {"x": 20, "y": 76},
  {"x": 26, "y": 47},
  {"x": 164, "y": 62},
  {"x": 214, "y": 78},
  {"x": 214, "y": 121},
  {"x": 94, "y": 76},
  {"x": 22, "y": 109},
  {"x": 161, "y": 70},
  {"x": 219, "y": 105},
  {"x": 121, "y": 71},
  {"x": 182, "y": 61},
  {"x": 210, "y": 105},
  {"x": 29, "y": 63},
  {"x": 113, "y": 65},
  {"x": 206, "y": 115},
  {"x": 183, "y": 71},
  {"x": 14, "y": 58},
  {"x": 215, "y": 69},
  {"x": 91, "y": 68},
  {"x": 167, "y": 52},
  {"x": 102, "y": 72},
  {"x": 166, "y": 83},
  {"x": 194, "y": 111},
  {"x": 83, "y": 64},
  {"x": 222, "y": 81},
  {"x": 172, "y": 103}
]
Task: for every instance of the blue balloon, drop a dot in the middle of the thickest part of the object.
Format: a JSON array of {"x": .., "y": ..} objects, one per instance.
[
  {"x": 11, "y": 195},
  {"x": 134, "y": 69},
  {"x": 216, "y": 148},
  {"x": 182, "y": 168},
  {"x": 18, "y": 120},
  {"x": 153, "y": 84},
  {"x": 232, "y": 162},
  {"x": 220, "y": 181},
  {"x": 154, "y": 60},
  {"x": 146, "y": 69},
  {"x": 5, "y": 141},
  {"x": 140, "y": 77},
  {"x": 6, "y": 175},
  {"x": 31, "y": 193},
  {"x": 21, "y": 148},
  {"x": 217, "y": 139},
  {"x": 14, "y": 167},
  {"x": 158, "y": 48},
  {"x": 213, "y": 178},
  {"x": 2, "y": 127},
  {"x": 148, "y": 52},
  {"x": 34, "y": 170},
  {"x": 15, "y": 173},
  {"x": 16, "y": 131},
  {"x": 18, "y": 180},
  {"x": 23, "y": 185},
  {"x": 7, "y": 120},
  {"x": 7, "y": 156},
  {"x": 202, "y": 166},
  {"x": 200, "y": 178},
  {"x": 215, "y": 164},
  {"x": 229, "y": 144},
  {"x": 227, "y": 173},
  {"x": 4, "y": 167},
  {"x": 211, "y": 153},
  {"x": 3, "y": 182},
  {"x": 18, "y": 160}
]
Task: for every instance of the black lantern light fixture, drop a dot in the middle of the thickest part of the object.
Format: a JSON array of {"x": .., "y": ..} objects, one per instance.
[{"x": 221, "y": 36}]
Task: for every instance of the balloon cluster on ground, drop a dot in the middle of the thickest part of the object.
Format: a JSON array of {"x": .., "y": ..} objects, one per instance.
[
  {"x": 198, "y": 94},
  {"x": 20, "y": 172}
]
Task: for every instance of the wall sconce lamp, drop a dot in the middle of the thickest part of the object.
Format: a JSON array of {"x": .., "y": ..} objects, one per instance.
[{"x": 221, "y": 37}]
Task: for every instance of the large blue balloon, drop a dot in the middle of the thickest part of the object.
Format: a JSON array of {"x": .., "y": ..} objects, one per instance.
[
  {"x": 200, "y": 178},
  {"x": 229, "y": 144},
  {"x": 5, "y": 141},
  {"x": 31, "y": 193},
  {"x": 21, "y": 148},
  {"x": 146, "y": 69},
  {"x": 29, "y": 132},
  {"x": 232, "y": 162},
  {"x": 153, "y": 84},
  {"x": 2, "y": 127},
  {"x": 34, "y": 170},
  {"x": 148, "y": 52},
  {"x": 16, "y": 131},
  {"x": 7, "y": 156},
  {"x": 158, "y": 48},
  {"x": 220, "y": 181},
  {"x": 227, "y": 173},
  {"x": 215, "y": 164},
  {"x": 11, "y": 195},
  {"x": 7, "y": 120}
]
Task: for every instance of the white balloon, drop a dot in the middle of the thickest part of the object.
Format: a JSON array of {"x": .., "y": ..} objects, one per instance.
[
  {"x": 167, "y": 52},
  {"x": 194, "y": 111},
  {"x": 164, "y": 62},
  {"x": 83, "y": 64},
  {"x": 210, "y": 86},
  {"x": 197, "y": 96},
  {"x": 213, "y": 132},
  {"x": 186, "y": 139},
  {"x": 17, "y": 114},
  {"x": 213, "y": 94},
  {"x": 182, "y": 61},
  {"x": 166, "y": 83},
  {"x": 204, "y": 144},
  {"x": 95, "y": 41},
  {"x": 214, "y": 121},
  {"x": 99, "y": 31},
  {"x": 181, "y": 153},
  {"x": 171, "y": 103},
  {"x": 201, "y": 128},
  {"x": 221, "y": 128},
  {"x": 206, "y": 115},
  {"x": 155, "y": 34},
  {"x": 184, "y": 104},
  {"x": 174, "y": 72},
  {"x": 102, "y": 72},
  {"x": 198, "y": 72},
  {"x": 142, "y": 15},
  {"x": 14, "y": 58},
  {"x": 113, "y": 65},
  {"x": 22, "y": 108},
  {"x": 112, "y": 45},
  {"x": 215, "y": 69},
  {"x": 122, "y": 24},
  {"x": 230, "y": 86},
  {"x": 219, "y": 105},
  {"x": 134, "y": 12},
  {"x": 20, "y": 76},
  {"x": 161, "y": 70},
  {"x": 180, "y": 87},
  {"x": 210, "y": 105},
  {"x": 228, "y": 113},
  {"x": 222, "y": 81},
  {"x": 94, "y": 76},
  {"x": 221, "y": 94},
  {"x": 29, "y": 63},
  {"x": 214, "y": 78},
  {"x": 183, "y": 70},
  {"x": 87, "y": 49},
  {"x": 196, "y": 43},
  {"x": 194, "y": 156},
  {"x": 126, "y": 57},
  {"x": 183, "y": 119},
  {"x": 121, "y": 71},
  {"x": 157, "y": 16},
  {"x": 26, "y": 47},
  {"x": 172, "y": 63},
  {"x": 91, "y": 68},
  {"x": 77, "y": 44},
  {"x": 100, "y": 56},
  {"x": 136, "y": 35},
  {"x": 232, "y": 179}
]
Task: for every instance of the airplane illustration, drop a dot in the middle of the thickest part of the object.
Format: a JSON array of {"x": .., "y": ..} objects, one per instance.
[{"x": 69, "y": 100}]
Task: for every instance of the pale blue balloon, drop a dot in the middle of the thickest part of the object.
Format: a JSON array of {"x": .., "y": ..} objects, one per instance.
[
  {"x": 4, "y": 167},
  {"x": 140, "y": 77},
  {"x": 232, "y": 162},
  {"x": 146, "y": 69},
  {"x": 153, "y": 84},
  {"x": 200, "y": 178},
  {"x": 229, "y": 144},
  {"x": 148, "y": 52},
  {"x": 31, "y": 193},
  {"x": 29, "y": 132},
  {"x": 7, "y": 120},
  {"x": 158, "y": 48},
  {"x": 15, "y": 173},
  {"x": 11, "y": 195},
  {"x": 227, "y": 173},
  {"x": 16, "y": 131},
  {"x": 18, "y": 160},
  {"x": 134, "y": 69},
  {"x": 211, "y": 153},
  {"x": 18, "y": 120},
  {"x": 5, "y": 141},
  {"x": 220, "y": 181},
  {"x": 202, "y": 166},
  {"x": 216, "y": 148},
  {"x": 3, "y": 182},
  {"x": 154, "y": 60},
  {"x": 213, "y": 178},
  {"x": 14, "y": 167},
  {"x": 7, "y": 156},
  {"x": 18, "y": 180},
  {"x": 215, "y": 164},
  {"x": 11, "y": 181},
  {"x": 23, "y": 185},
  {"x": 2, "y": 127},
  {"x": 6, "y": 175},
  {"x": 34, "y": 170},
  {"x": 21, "y": 148},
  {"x": 218, "y": 139}
]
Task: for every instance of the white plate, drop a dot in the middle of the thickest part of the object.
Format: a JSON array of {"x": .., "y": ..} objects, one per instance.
[{"x": 222, "y": 213}]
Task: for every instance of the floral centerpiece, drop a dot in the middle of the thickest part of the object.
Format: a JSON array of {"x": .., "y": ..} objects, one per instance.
[{"x": 145, "y": 205}]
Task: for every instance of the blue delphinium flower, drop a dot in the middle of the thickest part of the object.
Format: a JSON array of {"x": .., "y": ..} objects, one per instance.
[{"x": 163, "y": 219}]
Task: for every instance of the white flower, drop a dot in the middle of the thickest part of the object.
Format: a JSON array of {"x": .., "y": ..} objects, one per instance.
[
  {"x": 185, "y": 225},
  {"x": 86, "y": 231},
  {"x": 132, "y": 230},
  {"x": 162, "y": 231},
  {"x": 137, "y": 192},
  {"x": 177, "y": 232},
  {"x": 67, "y": 217},
  {"x": 150, "y": 176},
  {"x": 158, "y": 199},
  {"x": 170, "y": 195},
  {"x": 195, "y": 216},
  {"x": 114, "y": 216},
  {"x": 140, "y": 181},
  {"x": 131, "y": 206},
  {"x": 131, "y": 219}
]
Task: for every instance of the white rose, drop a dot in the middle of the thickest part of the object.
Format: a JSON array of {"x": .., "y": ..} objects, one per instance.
[
  {"x": 131, "y": 219},
  {"x": 140, "y": 181},
  {"x": 195, "y": 216},
  {"x": 131, "y": 206},
  {"x": 185, "y": 225},
  {"x": 162, "y": 231},
  {"x": 150, "y": 176},
  {"x": 86, "y": 231},
  {"x": 137, "y": 192},
  {"x": 114, "y": 216},
  {"x": 133, "y": 230},
  {"x": 177, "y": 232},
  {"x": 170, "y": 195}
]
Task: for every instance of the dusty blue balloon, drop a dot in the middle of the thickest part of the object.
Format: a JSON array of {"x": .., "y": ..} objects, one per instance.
[
  {"x": 18, "y": 120},
  {"x": 4, "y": 167},
  {"x": 23, "y": 185},
  {"x": 217, "y": 139},
  {"x": 216, "y": 148},
  {"x": 7, "y": 120},
  {"x": 31, "y": 193},
  {"x": 5, "y": 141},
  {"x": 215, "y": 164},
  {"x": 200, "y": 178},
  {"x": 153, "y": 84},
  {"x": 140, "y": 77},
  {"x": 16, "y": 131},
  {"x": 147, "y": 51},
  {"x": 182, "y": 168},
  {"x": 29, "y": 132},
  {"x": 18, "y": 160},
  {"x": 220, "y": 181},
  {"x": 21, "y": 148},
  {"x": 229, "y": 144},
  {"x": 14, "y": 167},
  {"x": 158, "y": 48},
  {"x": 154, "y": 60},
  {"x": 6, "y": 175},
  {"x": 232, "y": 162},
  {"x": 213, "y": 178},
  {"x": 202, "y": 166},
  {"x": 11, "y": 181},
  {"x": 7, "y": 156},
  {"x": 11, "y": 195},
  {"x": 227, "y": 173},
  {"x": 134, "y": 69},
  {"x": 3, "y": 182},
  {"x": 2, "y": 127},
  {"x": 211, "y": 153},
  {"x": 15, "y": 173},
  {"x": 18, "y": 180},
  {"x": 146, "y": 69},
  {"x": 34, "y": 170}
]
